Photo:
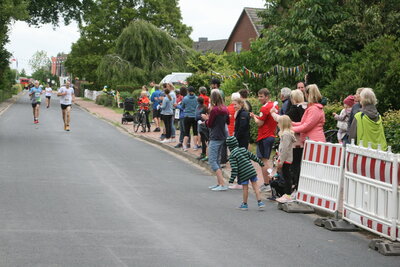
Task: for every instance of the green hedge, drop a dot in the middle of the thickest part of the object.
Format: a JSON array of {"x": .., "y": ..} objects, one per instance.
[
  {"x": 106, "y": 100},
  {"x": 391, "y": 123}
]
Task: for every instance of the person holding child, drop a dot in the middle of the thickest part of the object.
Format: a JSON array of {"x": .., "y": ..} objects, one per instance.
[{"x": 242, "y": 168}]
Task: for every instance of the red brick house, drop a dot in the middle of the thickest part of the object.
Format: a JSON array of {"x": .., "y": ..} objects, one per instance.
[{"x": 247, "y": 28}]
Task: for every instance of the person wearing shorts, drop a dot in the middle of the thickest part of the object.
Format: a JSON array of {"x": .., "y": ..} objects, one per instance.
[
  {"x": 35, "y": 93},
  {"x": 242, "y": 169},
  {"x": 155, "y": 99},
  {"x": 48, "y": 93},
  {"x": 67, "y": 96},
  {"x": 266, "y": 134}
]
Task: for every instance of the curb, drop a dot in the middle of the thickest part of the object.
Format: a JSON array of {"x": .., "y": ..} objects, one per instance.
[{"x": 9, "y": 102}]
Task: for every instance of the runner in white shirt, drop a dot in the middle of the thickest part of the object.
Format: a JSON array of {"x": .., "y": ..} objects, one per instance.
[
  {"x": 67, "y": 98},
  {"x": 49, "y": 92}
]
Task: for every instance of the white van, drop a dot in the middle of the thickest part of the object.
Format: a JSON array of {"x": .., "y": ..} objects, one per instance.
[{"x": 176, "y": 78}]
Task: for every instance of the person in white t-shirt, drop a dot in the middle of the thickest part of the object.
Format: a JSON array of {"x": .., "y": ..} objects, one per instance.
[
  {"x": 48, "y": 93},
  {"x": 67, "y": 97}
]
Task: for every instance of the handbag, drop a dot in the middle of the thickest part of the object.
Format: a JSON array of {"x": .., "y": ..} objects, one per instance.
[{"x": 177, "y": 113}]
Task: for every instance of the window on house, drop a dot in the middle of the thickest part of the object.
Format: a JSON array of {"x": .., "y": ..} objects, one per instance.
[{"x": 237, "y": 47}]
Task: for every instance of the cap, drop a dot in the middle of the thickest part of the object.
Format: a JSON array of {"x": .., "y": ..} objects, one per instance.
[{"x": 349, "y": 100}]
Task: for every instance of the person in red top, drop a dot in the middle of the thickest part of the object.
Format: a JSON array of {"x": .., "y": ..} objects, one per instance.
[
  {"x": 144, "y": 104},
  {"x": 203, "y": 94},
  {"x": 232, "y": 111},
  {"x": 266, "y": 134}
]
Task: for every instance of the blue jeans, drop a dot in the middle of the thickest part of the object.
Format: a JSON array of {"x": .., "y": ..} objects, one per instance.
[{"x": 214, "y": 153}]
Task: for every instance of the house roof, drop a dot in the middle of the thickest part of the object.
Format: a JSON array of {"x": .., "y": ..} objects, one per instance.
[
  {"x": 213, "y": 46},
  {"x": 255, "y": 20}
]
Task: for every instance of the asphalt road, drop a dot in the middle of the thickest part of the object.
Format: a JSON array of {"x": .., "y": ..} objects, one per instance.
[{"x": 98, "y": 197}]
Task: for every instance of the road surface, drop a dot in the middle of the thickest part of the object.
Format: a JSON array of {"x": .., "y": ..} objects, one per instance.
[{"x": 98, "y": 197}]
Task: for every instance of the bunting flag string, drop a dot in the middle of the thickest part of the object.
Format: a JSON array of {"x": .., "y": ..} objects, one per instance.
[{"x": 276, "y": 70}]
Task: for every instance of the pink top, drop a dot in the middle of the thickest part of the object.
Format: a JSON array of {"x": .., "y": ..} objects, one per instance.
[{"x": 311, "y": 124}]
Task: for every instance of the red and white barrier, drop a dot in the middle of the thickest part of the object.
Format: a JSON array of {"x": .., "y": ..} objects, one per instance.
[
  {"x": 321, "y": 175},
  {"x": 371, "y": 192}
]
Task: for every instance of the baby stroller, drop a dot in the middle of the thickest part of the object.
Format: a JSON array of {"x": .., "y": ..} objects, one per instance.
[{"x": 129, "y": 108}]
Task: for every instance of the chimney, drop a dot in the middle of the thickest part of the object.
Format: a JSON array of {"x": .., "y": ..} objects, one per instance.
[{"x": 203, "y": 39}]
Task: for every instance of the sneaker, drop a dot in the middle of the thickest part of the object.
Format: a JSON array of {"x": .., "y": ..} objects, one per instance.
[
  {"x": 261, "y": 205},
  {"x": 243, "y": 206},
  {"x": 284, "y": 199},
  {"x": 184, "y": 149},
  {"x": 213, "y": 186},
  {"x": 204, "y": 159},
  {"x": 166, "y": 141},
  {"x": 201, "y": 157},
  {"x": 173, "y": 140},
  {"x": 157, "y": 129},
  {"x": 265, "y": 188},
  {"x": 235, "y": 186},
  {"x": 35, "y": 121},
  {"x": 162, "y": 137},
  {"x": 67, "y": 128},
  {"x": 195, "y": 147},
  {"x": 272, "y": 198},
  {"x": 220, "y": 188},
  {"x": 178, "y": 145}
]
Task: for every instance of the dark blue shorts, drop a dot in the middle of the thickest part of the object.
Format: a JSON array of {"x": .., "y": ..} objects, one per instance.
[
  {"x": 264, "y": 147},
  {"x": 254, "y": 179}
]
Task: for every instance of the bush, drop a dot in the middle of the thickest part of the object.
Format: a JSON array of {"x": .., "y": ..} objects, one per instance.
[
  {"x": 376, "y": 66},
  {"x": 198, "y": 80},
  {"x": 123, "y": 95},
  {"x": 330, "y": 122},
  {"x": 391, "y": 124}
]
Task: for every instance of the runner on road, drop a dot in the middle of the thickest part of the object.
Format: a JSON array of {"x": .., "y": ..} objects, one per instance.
[
  {"x": 49, "y": 92},
  {"x": 67, "y": 97},
  {"x": 35, "y": 93}
]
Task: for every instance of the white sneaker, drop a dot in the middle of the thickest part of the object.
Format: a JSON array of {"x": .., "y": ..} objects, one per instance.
[
  {"x": 265, "y": 188},
  {"x": 166, "y": 141}
]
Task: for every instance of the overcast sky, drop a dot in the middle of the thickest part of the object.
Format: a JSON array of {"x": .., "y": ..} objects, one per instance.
[{"x": 214, "y": 19}]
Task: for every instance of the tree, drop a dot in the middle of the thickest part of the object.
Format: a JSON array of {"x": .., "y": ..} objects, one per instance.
[
  {"x": 39, "y": 61},
  {"x": 105, "y": 21},
  {"x": 143, "y": 52},
  {"x": 376, "y": 66},
  {"x": 323, "y": 33}
]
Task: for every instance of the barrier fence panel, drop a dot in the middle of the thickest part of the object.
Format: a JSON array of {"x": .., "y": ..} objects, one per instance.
[
  {"x": 321, "y": 175},
  {"x": 398, "y": 195},
  {"x": 371, "y": 190}
]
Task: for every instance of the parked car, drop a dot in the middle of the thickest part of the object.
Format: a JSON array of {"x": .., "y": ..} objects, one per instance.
[{"x": 176, "y": 78}]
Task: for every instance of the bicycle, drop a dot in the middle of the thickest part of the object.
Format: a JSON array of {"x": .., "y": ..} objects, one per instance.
[{"x": 140, "y": 120}]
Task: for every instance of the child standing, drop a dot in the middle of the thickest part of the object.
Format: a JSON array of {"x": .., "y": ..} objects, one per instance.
[
  {"x": 144, "y": 104},
  {"x": 343, "y": 118},
  {"x": 244, "y": 171},
  {"x": 285, "y": 155}
]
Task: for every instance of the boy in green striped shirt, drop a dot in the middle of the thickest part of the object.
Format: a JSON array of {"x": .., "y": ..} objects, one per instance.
[{"x": 241, "y": 167}]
